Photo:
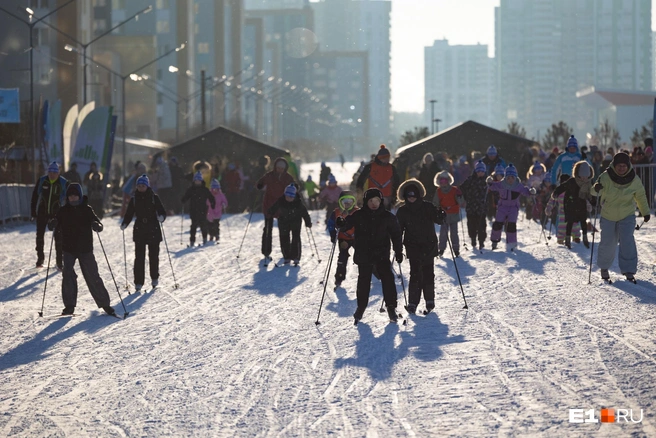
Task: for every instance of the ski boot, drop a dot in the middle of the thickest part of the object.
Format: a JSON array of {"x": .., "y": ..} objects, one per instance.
[
  {"x": 629, "y": 276},
  {"x": 296, "y": 262},
  {"x": 494, "y": 245},
  {"x": 137, "y": 288},
  {"x": 68, "y": 311},
  {"x": 109, "y": 310},
  {"x": 585, "y": 240},
  {"x": 481, "y": 244},
  {"x": 605, "y": 275},
  {"x": 358, "y": 315},
  {"x": 391, "y": 312},
  {"x": 568, "y": 242},
  {"x": 430, "y": 305},
  {"x": 155, "y": 282},
  {"x": 266, "y": 261},
  {"x": 473, "y": 242},
  {"x": 287, "y": 261},
  {"x": 411, "y": 308}
]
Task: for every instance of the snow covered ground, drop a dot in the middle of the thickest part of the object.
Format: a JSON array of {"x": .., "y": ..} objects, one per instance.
[{"x": 235, "y": 350}]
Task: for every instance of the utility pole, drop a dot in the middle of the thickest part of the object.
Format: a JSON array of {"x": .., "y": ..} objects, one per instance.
[
  {"x": 433, "y": 102},
  {"x": 437, "y": 124},
  {"x": 202, "y": 100}
]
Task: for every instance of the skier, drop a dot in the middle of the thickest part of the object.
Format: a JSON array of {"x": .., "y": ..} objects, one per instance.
[
  {"x": 565, "y": 161},
  {"x": 146, "y": 206},
  {"x": 534, "y": 178},
  {"x": 620, "y": 190},
  {"x": 76, "y": 222},
  {"x": 492, "y": 160},
  {"x": 48, "y": 196},
  {"x": 214, "y": 214},
  {"x": 312, "y": 192},
  {"x": 197, "y": 195},
  {"x": 429, "y": 169},
  {"x": 290, "y": 212},
  {"x": 330, "y": 196},
  {"x": 274, "y": 184},
  {"x": 510, "y": 189},
  {"x": 417, "y": 219},
  {"x": 72, "y": 175},
  {"x": 448, "y": 197},
  {"x": 558, "y": 202},
  {"x": 96, "y": 193},
  {"x": 324, "y": 174},
  {"x": 474, "y": 190},
  {"x": 492, "y": 199},
  {"x": 374, "y": 228},
  {"x": 344, "y": 238},
  {"x": 381, "y": 175},
  {"x": 577, "y": 207}
]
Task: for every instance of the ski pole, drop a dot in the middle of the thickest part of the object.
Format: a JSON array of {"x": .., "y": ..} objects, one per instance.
[
  {"x": 125, "y": 311},
  {"x": 448, "y": 239},
  {"x": 169, "y": 254},
  {"x": 316, "y": 250},
  {"x": 181, "y": 222},
  {"x": 464, "y": 236},
  {"x": 324, "y": 279},
  {"x": 594, "y": 229},
  {"x": 250, "y": 216},
  {"x": 307, "y": 230},
  {"x": 125, "y": 263},
  {"x": 640, "y": 226},
  {"x": 405, "y": 298},
  {"x": 47, "y": 272},
  {"x": 325, "y": 283}
]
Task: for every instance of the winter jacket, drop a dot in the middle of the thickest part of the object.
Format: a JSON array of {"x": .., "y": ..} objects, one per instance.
[
  {"x": 381, "y": 176},
  {"x": 311, "y": 188},
  {"x": 373, "y": 231},
  {"x": 96, "y": 189},
  {"x": 332, "y": 227},
  {"x": 330, "y": 195},
  {"x": 198, "y": 195},
  {"x": 290, "y": 214},
  {"x": 448, "y": 199},
  {"x": 417, "y": 223},
  {"x": 231, "y": 181},
  {"x": 146, "y": 207},
  {"x": 576, "y": 208},
  {"x": 220, "y": 202},
  {"x": 164, "y": 179},
  {"x": 72, "y": 176},
  {"x": 474, "y": 190},
  {"x": 48, "y": 197},
  {"x": 426, "y": 175},
  {"x": 275, "y": 184},
  {"x": 620, "y": 194},
  {"x": 75, "y": 222},
  {"x": 509, "y": 195},
  {"x": 324, "y": 174},
  {"x": 490, "y": 165},
  {"x": 564, "y": 164},
  {"x": 561, "y": 229}
]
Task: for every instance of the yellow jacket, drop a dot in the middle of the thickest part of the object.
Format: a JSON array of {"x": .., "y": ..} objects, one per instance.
[{"x": 620, "y": 195}]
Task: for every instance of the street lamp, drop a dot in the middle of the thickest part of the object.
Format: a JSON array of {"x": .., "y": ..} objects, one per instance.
[
  {"x": 437, "y": 124},
  {"x": 433, "y": 102},
  {"x": 31, "y": 24}
]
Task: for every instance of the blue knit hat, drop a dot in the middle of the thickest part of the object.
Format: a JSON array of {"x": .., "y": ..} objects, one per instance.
[
  {"x": 290, "y": 191},
  {"x": 54, "y": 167},
  {"x": 492, "y": 150},
  {"x": 480, "y": 166},
  {"x": 499, "y": 169},
  {"x": 215, "y": 184},
  {"x": 511, "y": 170},
  {"x": 198, "y": 176},
  {"x": 309, "y": 178},
  {"x": 332, "y": 179},
  {"x": 573, "y": 142},
  {"x": 74, "y": 189},
  {"x": 143, "y": 179}
]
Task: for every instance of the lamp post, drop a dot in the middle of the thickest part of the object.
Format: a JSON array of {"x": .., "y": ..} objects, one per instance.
[
  {"x": 437, "y": 124},
  {"x": 31, "y": 24},
  {"x": 159, "y": 87},
  {"x": 433, "y": 102}
]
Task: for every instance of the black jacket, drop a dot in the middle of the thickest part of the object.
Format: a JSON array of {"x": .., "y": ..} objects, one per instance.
[
  {"x": 474, "y": 190},
  {"x": 373, "y": 231},
  {"x": 198, "y": 195},
  {"x": 146, "y": 207},
  {"x": 75, "y": 223},
  {"x": 290, "y": 213},
  {"x": 47, "y": 198},
  {"x": 575, "y": 206},
  {"x": 426, "y": 176},
  {"x": 417, "y": 223}
]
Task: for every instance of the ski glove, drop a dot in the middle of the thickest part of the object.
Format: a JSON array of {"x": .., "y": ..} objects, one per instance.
[
  {"x": 96, "y": 226},
  {"x": 598, "y": 187},
  {"x": 441, "y": 215},
  {"x": 309, "y": 225},
  {"x": 161, "y": 218},
  {"x": 340, "y": 222},
  {"x": 647, "y": 217},
  {"x": 52, "y": 224},
  {"x": 123, "y": 227},
  {"x": 399, "y": 257},
  {"x": 532, "y": 191}
]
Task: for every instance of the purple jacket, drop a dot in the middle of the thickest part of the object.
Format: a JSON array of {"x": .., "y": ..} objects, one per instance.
[
  {"x": 509, "y": 195},
  {"x": 221, "y": 203}
]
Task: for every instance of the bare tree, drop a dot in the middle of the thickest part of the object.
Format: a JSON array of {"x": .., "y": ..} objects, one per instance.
[
  {"x": 556, "y": 136},
  {"x": 417, "y": 134},
  {"x": 607, "y": 136},
  {"x": 515, "y": 128},
  {"x": 645, "y": 131}
]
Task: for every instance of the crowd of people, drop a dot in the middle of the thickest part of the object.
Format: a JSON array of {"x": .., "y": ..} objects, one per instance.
[{"x": 380, "y": 212}]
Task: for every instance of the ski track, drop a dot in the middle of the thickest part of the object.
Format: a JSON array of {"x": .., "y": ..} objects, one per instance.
[{"x": 234, "y": 351}]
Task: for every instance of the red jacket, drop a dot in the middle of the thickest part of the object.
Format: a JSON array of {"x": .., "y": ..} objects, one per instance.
[
  {"x": 231, "y": 181},
  {"x": 274, "y": 185}
]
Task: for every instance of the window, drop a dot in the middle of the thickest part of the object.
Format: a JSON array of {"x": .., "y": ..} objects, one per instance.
[
  {"x": 163, "y": 4},
  {"x": 203, "y": 48},
  {"x": 163, "y": 26}
]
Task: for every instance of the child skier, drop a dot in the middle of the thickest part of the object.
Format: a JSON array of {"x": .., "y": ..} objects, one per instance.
[
  {"x": 474, "y": 190},
  {"x": 197, "y": 195},
  {"x": 344, "y": 238},
  {"x": 577, "y": 192},
  {"x": 448, "y": 197},
  {"x": 558, "y": 202},
  {"x": 96, "y": 193},
  {"x": 374, "y": 228},
  {"x": 214, "y": 213},
  {"x": 290, "y": 212},
  {"x": 330, "y": 196},
  {"x": 149, "y": 213},
  {"x": 492, "y": 199},
  {"x": 417, "y": 219},
  {"x": 534, "y": 178},
  {"x": 77, "y": 222},
  {"x": 509, "y": 190}
]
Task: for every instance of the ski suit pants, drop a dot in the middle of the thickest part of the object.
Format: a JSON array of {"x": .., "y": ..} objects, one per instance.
[
  {"x": 89, "y": 269},
  {"x": 140, "y": 261},
  {"x": 290, "y": 241},
  {"x": 215, "y": 229},
  {"x": 267, "y": 241},
  {"x": 342, "y": 258},
  {"x": 384, "y": 269},
  {"x": 198, "y": 223},
  {"x": 613, "y": 233},
  {"x": 41, "y": 224},
  {"x": 422, "y": 279},
  {"x": 509, "y": 215},
  {"x": 476, "y": 227}
]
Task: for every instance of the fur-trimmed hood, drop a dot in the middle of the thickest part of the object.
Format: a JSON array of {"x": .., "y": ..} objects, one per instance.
[
  {"x": 407, "y": 183},
  {"x": 442, "y": 174},
  {"x": 577, "y": 166}
]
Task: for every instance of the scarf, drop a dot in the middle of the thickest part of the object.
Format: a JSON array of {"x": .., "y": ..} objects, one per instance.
[{"x": 584, "y": 187}]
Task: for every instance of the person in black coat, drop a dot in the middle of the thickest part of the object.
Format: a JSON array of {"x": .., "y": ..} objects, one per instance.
[
  {"x": 474, "y": 190},
  {"x": 291, "y": 211},
  {"x": 197, "y": 195},
  {"x": 76, "y": 220},
  {"x": 375, "y": 227},
  {"x": 417, "y": 219},
  {"x": 429, "y": 168},
  {"x": 577, "y": 207},
  {"x": 150, "y": 213}
]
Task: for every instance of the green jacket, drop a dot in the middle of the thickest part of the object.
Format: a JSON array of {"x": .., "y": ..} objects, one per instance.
[
  {"x": 620, "y": 194},
  {"x": 311, "y": 188}
]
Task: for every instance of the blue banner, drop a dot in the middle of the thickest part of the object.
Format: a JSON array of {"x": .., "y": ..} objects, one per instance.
[{"x": 9, "y": 105}]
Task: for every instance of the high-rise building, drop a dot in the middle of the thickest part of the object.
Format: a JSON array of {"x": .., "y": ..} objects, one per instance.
[
  {"x": 547, "y": 50},
  {"x": 460, "y": 79},
  {"x": 362, "y": 26},
  {"x": 275, "y": 4}
]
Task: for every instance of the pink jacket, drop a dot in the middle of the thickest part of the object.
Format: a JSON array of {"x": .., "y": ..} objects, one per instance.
[
  {"x": 330, "y": 194},
  {"x": 221, "y": 203}
]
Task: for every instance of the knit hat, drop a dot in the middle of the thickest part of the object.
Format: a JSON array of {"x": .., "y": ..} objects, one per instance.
[
  {"x": 198, "y": 176},
  {"x": 511, "y": 170},
  {"x": 572, "y": 142},
  {"x": 621, "y": 158},
  {"x": 290, "y": 191},
  {"x": 74, "y": 189},
  {"x": 54, "y": 167},
  {"x": 492, "y": 150},
  {"x": 649, "y": 150},
  {"x": 231, "y": 166},
  {"x": 608, "y": 157},
  {"x": 143, "y": 179},
  {"x": 563, "y": 177},
  {"x": 537, "y": 166},
  {"x": 383, "y": 152},
  {"x": 332, "y": 179},
  {"x": 584, "y": 169},
  {"x": 372, "y": 193},
  {"x": 323, "y": 164},
  {"x": 309, "y": 178},
  {"x": 499, "y": 169},
  {"x": 215, "y": 184},
  {"x": 480, "y": 166},
  {"x": 547, "y": 177},
  {"x": 411, "y": 190}
]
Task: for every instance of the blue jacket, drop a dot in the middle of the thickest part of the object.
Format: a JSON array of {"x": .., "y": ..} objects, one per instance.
[{"x": 564, "y": 164}]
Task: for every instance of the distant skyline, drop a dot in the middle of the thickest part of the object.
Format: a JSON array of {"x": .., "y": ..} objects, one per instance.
[{"x": 418, "y": 23}]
